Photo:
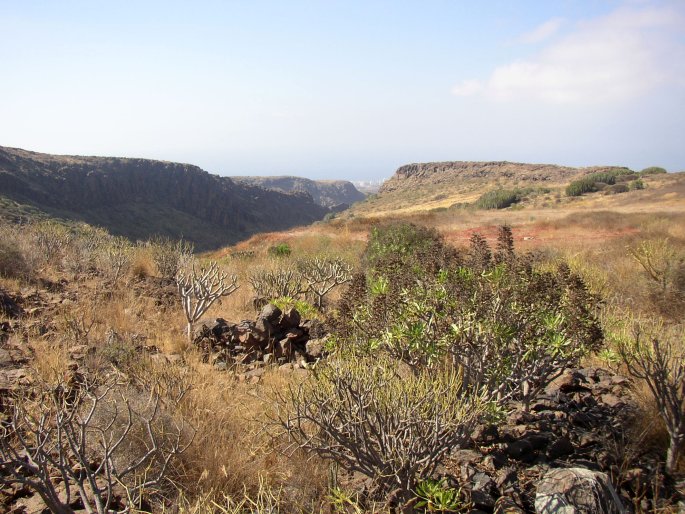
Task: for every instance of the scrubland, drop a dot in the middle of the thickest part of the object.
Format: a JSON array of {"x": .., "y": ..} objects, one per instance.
[{"x": 591, "y": 281}]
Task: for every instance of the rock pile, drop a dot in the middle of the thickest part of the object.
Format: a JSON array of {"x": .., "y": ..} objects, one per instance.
[
  {"x": 577, "y": 424},
  {"x": 274, "y": 338}
]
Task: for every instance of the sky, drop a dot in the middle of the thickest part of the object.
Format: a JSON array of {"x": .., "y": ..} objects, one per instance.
[{"x": 346, "y": 89}]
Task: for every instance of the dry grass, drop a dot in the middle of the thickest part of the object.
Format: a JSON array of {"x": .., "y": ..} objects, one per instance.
[{"x": 232, "y": 454}]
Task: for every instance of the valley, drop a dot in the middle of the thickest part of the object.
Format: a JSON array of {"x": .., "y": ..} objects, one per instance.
[{"x": 387, "y": 300}]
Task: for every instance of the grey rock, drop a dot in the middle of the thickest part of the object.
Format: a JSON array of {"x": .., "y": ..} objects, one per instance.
[{"x": 576, "y": 491}]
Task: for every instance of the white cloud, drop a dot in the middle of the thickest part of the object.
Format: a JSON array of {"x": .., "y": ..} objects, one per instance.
[
  {"x": 467, "y": 88},
  {"x": 614, "y": 58},
  {"x": 542, "y": 32}
]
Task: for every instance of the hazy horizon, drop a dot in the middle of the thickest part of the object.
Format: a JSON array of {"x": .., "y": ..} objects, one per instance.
[{"x": 347, "y": 90}]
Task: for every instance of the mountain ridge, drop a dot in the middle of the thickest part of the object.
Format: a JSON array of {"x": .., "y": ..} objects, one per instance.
[
  {"x": 327, "y": 193},
  {"x": 138, "y": 198}
]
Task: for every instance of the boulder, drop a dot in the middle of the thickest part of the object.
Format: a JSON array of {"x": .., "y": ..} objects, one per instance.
[
  {"x": 270, "y": 313},
  {"x": 576, "y": 491},
  {"x": 291, "y": 319}
]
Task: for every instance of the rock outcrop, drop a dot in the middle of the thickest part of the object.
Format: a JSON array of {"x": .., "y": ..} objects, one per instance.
[
  {"x": 410, "y": 175},
  {"x": 138, "y": 198}
]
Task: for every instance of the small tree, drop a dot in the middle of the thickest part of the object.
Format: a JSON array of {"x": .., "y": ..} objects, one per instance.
[
  {"x": 200, "y": 289},
  {"x": 661, "y": 364},
  {"x": 322, "y": 275}
]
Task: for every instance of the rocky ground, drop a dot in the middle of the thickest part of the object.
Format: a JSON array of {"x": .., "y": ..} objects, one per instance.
[{"x": 570, "y": 448}]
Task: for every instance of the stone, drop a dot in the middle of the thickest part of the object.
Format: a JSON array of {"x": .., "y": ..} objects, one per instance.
[
  {"x": 560, "y": 448},
  {"x": 506, "y": 478},
  {"x": 270, "y": 313},
  {"x": 482, "y": 500},
  {"x": 294, "y": 334},
  {"x": 521, "y": 450},
  {"x": 291, "y": 319},
  {"x": 507, "y": 505},
  {"x": 315, "y": 348},
  {"x": 485, "y": 434},
  {"x": 569, "y": 381},
  {"x": 612, "y": 401},
  {"x": 576, "y": 491}
]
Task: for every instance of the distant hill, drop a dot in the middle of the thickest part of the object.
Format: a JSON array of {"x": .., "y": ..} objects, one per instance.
[
  {"x": 424, "y": 186},
  {"x": 138, "y": 198},
  {"x": 328, "y": 193}
]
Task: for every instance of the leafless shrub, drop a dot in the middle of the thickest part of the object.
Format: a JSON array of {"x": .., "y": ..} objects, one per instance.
[
  {"x": 658, "y": 358},
  {"x": 51, "y": 239},
  {"x": 82, "y": 436},
  {"x": 664, "y": 265},
  {"x": 82, "y": 253},
  {"x": 170, "y": 256},
  {"x": 115, "y": 258},
  {"x": 322, "y": 275},
  {"x": 374, "y": 417},
  {"x": 200, "y": 289},
  {"x": 270, "y": 284}
]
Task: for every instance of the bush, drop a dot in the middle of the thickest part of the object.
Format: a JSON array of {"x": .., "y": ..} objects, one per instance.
[
  {"x": 509, "y": 327},
  {"x": 269, "y": 285},
  {"x": 590, "y": 183},
  {"x": 498, "y": 199},
  {"x": 414, "y": 248},
  {"x": 12, "y": 261},
  {"x": 280, "y": 250},
  {"x": 653, "y": 170},
  {"x": 376, "y": 418},
  {"x": 636, "y": 184},
  {"x": 170, "y": 256}
]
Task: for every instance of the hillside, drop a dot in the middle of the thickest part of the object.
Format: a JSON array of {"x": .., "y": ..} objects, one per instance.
[
  {"x": 425, "y": 186},
  {"x": 138, "y": 198},
  {"x": 327, "y": 193}
]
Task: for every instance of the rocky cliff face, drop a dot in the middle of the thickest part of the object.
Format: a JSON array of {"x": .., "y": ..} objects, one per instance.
[
  {"x": 467, "y": 171},
  {"x": 328, "y": 193},
  {"x": 138, "y": 197}
]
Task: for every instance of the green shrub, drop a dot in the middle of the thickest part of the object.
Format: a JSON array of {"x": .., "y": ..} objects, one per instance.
[
  {"x": 590, "y": 183},
  {"x": 306, "y": 309},
  {"x": 636, "y": 184},
  {"x": 498, "y": 199},
  {"x": 405, "y": 242},
  {"x": 653, "y": 170},
  {"x": 510, "y": 327},
  {"x": 280, "y": 250}
]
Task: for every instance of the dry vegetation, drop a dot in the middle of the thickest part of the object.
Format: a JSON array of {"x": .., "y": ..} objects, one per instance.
[{"x": 116, "y": 303}]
